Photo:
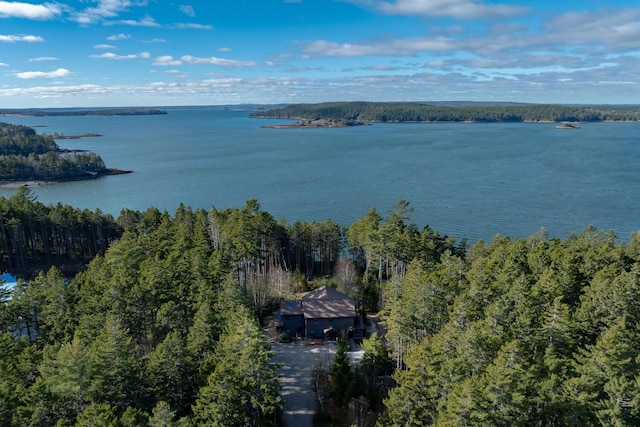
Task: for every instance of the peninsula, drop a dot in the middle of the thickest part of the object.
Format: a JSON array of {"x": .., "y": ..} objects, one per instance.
[
  {"x": 84, "y": 135},
  {"x": 27, "y": 158}
]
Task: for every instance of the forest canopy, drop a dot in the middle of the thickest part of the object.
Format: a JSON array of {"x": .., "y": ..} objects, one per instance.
[
  {"x": 395, "y": 112},
  {"x": 164, "y": 320}
]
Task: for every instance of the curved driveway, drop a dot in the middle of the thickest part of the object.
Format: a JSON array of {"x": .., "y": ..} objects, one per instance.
[{"x": 295, "y": 366}]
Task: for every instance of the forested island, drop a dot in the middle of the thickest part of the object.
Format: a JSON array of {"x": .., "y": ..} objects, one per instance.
[
  {"x": 353, "y": 113},
  {"x": 42, "y": 112},
  {"x": 160, "y": 321},
  {"x": 26, "y": 157}
]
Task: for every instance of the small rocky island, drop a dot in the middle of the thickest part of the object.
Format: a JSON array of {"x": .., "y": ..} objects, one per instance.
[
  {"x": 567, "y": 125},
  {"x": 27, "y": 158},
  {"x": 320, "y": 123}
]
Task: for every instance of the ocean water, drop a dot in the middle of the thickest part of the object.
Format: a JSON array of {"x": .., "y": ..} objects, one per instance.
[{"x": 465, "y": 180}]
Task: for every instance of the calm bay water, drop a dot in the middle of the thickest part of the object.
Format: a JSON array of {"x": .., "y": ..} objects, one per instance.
[{"x": 466, "y": 180}]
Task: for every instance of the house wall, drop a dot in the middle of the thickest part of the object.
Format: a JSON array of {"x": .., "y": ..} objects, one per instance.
[
  {"x": 293, "y": 325},
  {"x": 316, "y": 327}
]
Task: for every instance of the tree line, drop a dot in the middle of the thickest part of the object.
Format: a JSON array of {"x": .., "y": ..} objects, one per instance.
[
  {"x": 34, "y": 236},
  {"x": 394, "y": 112}
]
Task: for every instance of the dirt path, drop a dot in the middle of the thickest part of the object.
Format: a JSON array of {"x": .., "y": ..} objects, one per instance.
[{"x": 295, "y": 365}]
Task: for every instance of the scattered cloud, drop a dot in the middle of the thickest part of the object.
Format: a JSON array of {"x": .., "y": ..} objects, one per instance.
[
  {"x": 10, "y": 9},
  {"x": 177, "y": 73},
  {"x": 44, "y": 58},
  {"x": 187, "y": 10},
  {"x": 397, "y": 47},
  {"x": 120, "y": 36},
  {"x": 475, "y": 48},
  {"x": 183, "y": 26},
  {"x": 166, "y": 61},
  {"x": 381, "y": 67},
  {"x": 60, "y": 72},
  {"x": 105, "y": 9},
  {"x": 20, "y": 38},
  {"x": 614, "y": 30},
  {"x": 147, "y": 21},
  {"x": 156, "y": 40},
  {"x": 2, "y": 64},
  {"x": 590, "y": 86},
  {"x": 217, "y": 61},
  {"x": 459, "y": 9},
  {"x": 111, "y": 55}
]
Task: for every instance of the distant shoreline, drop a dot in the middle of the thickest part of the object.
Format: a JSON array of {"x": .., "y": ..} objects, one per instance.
[{"x": 43, "y": 112}]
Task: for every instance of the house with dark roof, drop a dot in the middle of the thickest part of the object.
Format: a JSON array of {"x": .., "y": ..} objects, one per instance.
[{"x": 322, "y": 314}]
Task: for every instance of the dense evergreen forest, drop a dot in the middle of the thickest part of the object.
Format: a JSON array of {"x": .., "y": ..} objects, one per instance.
[
  {"x": 164, "y": 324},
  {"x": 358, "y": 112},
  {"x": 27, "y": 156}
]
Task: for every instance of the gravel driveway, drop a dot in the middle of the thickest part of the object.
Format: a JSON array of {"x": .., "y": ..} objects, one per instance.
[{"x": 295, "y": 365}]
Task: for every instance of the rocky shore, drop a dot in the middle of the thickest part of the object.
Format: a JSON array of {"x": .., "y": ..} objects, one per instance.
[{"x": 8, "y": 184}]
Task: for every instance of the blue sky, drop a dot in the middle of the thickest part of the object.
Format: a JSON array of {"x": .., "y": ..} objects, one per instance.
[{"x": 156, "y": 52}]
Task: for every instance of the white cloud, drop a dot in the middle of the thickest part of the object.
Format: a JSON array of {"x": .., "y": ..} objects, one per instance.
[
  {"x": 615, "y": 30},
  {"x": 2, "y": 64},
  {"x": 120, "y": 36},
  {"x": 105, "y": 46},
  {"x": 224, "y": 49},
  {"x": 44, "y": 58},
  {"x": 217, "y": 61},
  {"x": 381, "y": 67},
  {"x": 60, "y": 72},
  {"x": 147, "y": 21},
  {"x": 20, "y": 38},
  {"x": 105, "y": 9},
  {"x": 156, "y": 40},
  {"x": 187, "y": 10},
  {"x": 460, "y": 9},
  {"x": 111, "y": 55},
  {"x": 9, "y": 9},
  {"x": 397, "y": 47},
  {"x": 166, "y": 61},
  {"x": 182, "y": 26}
]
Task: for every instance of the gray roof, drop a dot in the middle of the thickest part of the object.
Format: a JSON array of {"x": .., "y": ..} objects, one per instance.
[
  {"x": 325, "y": 292},
  {"x": 333, "y": 308},
  {"x": 323, "y": 303},
  {"x": 291, "y": 308}
]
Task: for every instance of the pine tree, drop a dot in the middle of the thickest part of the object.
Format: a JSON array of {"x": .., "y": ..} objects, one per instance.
[
  {"x": 115, "y": 370},
  {"x": 243, "y": 388},
  {"x": 341, "y": 374}
]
